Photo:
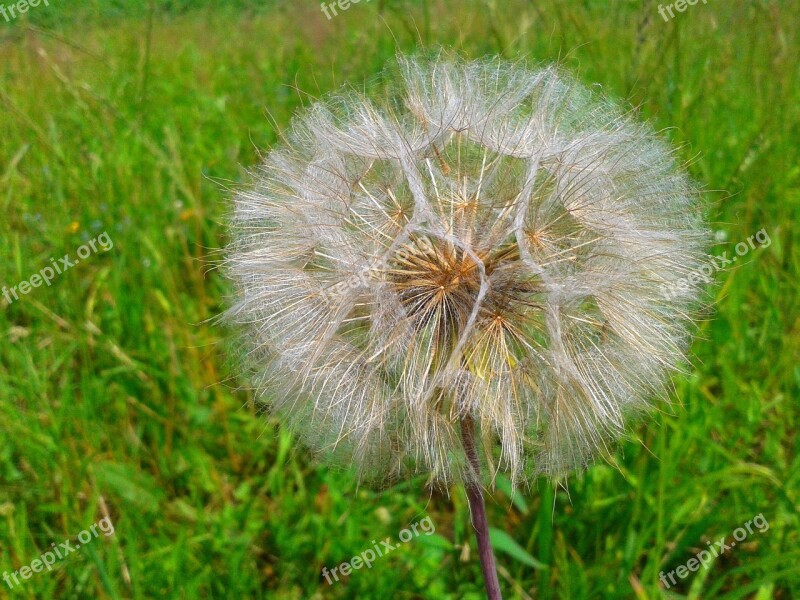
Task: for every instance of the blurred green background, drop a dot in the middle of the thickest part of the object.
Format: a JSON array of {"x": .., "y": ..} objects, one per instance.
[{"x": 116, "y": 396}]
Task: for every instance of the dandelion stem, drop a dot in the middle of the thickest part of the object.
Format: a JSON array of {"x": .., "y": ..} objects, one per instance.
[{"x": 478, "y": 511}]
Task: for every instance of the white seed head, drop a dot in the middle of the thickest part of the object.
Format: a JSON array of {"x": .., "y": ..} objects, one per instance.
[{"x": 488, "y": 241}]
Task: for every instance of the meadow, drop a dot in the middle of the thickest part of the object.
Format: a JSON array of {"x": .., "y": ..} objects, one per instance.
[{"x": 119, "y": 402}]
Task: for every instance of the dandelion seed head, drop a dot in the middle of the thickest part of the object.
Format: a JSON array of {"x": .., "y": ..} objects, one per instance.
[{"x": 488, "y": 241}]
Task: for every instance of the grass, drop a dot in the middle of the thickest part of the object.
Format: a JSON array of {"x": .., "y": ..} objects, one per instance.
[{"x": 116, "y": 397}]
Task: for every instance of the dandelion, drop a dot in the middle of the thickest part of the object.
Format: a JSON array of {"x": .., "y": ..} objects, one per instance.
[{"x": 463, "y": 276}]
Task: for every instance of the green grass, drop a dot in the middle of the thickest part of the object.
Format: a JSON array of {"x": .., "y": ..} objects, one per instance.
[{"x": 115, "y": 391}]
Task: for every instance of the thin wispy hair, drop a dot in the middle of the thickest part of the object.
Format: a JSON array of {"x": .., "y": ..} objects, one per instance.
[{"x": 486, "y": 241}]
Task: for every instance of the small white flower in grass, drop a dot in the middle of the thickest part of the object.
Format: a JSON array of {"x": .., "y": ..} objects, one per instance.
[{"x": 466, "y": 271}]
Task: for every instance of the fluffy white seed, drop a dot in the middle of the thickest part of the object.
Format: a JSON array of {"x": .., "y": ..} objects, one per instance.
[{"x": 490, "y": 242}]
